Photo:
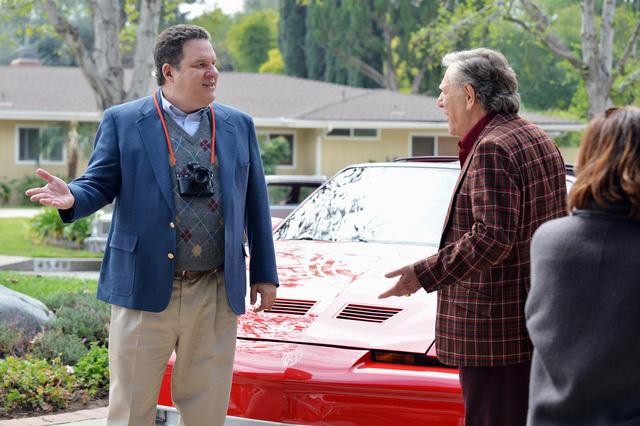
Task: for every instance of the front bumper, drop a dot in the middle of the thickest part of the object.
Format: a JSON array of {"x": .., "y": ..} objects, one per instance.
[
  {"x": 279, "y": 383},
  {"x": 169, "y": 416}
]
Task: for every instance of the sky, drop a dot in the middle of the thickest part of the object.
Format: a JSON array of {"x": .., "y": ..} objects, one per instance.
[{"x": 229, "y": 7}]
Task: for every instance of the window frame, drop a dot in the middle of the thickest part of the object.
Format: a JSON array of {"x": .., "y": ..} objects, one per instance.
[
  {"x": 272, "y": 134},
  {"x": 40, "y": 160},
  {"x": 427, "y": 135}
]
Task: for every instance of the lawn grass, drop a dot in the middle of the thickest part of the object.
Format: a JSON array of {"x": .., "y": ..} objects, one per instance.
[
  {"x": 15, "y": 241},
  {"x": 43, "y": 287}
]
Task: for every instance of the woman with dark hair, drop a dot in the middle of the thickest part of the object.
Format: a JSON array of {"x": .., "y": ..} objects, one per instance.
[{"x": 583, "y": 311}]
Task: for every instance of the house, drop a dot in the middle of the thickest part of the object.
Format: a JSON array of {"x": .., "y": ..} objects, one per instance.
[{"x": 328, "y": 126}]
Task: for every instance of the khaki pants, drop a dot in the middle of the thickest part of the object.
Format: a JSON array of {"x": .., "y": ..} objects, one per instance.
[{"x": 201, "y": 327}]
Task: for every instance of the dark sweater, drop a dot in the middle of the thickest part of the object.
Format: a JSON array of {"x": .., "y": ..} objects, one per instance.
[{"x": 583, "y": 316}]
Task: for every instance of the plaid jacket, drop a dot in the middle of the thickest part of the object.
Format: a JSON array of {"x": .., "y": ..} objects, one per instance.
[{"x": 512, "y": 181}]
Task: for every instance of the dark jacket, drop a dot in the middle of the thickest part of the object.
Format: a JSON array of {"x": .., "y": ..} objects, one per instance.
[
  {"x": 513, "y": 180},
  {"x": 583, "y": 315}
]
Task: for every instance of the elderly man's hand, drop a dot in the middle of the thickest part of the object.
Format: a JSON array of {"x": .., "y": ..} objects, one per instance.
[
  {"x": 267, "y": 293},
  {"x": 406, "y": 285}
]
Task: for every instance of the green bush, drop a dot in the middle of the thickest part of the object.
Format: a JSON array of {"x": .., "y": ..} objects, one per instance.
[
  {"x": 67, "y": 297},
  {"x": 5, "y": 192},
  {"x": 85, "y": 317},
  {"x": 55, "y": 344},
  {"x": 78, "y": 230},
  {"x": 12, "y": 341},
  {"x": 48, "y": 226},
  {"x": 42, "y": 381},
  {"x": 34, "y": 385},
  {"x": 20, "y": 185},
  {"x": 81, "y": 319},
  {"x": 93, "y": 371}
]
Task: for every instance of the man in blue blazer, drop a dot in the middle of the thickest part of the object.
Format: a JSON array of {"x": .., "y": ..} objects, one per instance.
[{"x": 188, "y": 182}]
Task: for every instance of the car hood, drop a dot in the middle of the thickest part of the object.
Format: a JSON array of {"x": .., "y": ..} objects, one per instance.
[{"x": 328, "y": 295}]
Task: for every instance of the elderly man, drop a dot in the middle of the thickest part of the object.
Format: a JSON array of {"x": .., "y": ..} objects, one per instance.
[{"x": 512, "y": 180}]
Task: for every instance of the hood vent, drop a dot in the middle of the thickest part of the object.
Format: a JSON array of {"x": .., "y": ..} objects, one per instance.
[
  {"x": 291, "y": 306},
  {"x": 367, "y": 313}
]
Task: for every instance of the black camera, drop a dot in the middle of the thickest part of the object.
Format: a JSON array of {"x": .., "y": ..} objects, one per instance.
[{"x": 195, "y": 181}]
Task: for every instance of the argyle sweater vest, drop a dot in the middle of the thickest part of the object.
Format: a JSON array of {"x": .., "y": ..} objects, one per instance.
[{"x": 199, "y": 221}]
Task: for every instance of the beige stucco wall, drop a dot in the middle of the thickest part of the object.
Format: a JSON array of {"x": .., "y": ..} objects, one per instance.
[
  {"x": 391, "y": 144},
  {"x": 447, "y": 145},
  {"x": 304, "y": 152}
]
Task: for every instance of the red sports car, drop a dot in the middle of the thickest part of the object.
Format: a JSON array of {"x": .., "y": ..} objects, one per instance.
[{"x": 330, "y": 352}]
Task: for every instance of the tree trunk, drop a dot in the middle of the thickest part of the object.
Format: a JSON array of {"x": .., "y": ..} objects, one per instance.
[
  {"x": 143, "y": 61},
  {"x": 72, "y": 148},
  {"x": 595, "y": 65},
  {"x": 103, "y": 67},
  {"x": 389, "y": 66},
  {"x": 106, "y": 53},
  {"x": 597, "y": 55}
]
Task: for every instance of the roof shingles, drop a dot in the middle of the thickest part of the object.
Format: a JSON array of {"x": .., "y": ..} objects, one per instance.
[{"x": 32, "y": 89}]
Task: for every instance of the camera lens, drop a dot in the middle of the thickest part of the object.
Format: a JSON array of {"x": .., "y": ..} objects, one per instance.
[{"x": 201, "y": 176}]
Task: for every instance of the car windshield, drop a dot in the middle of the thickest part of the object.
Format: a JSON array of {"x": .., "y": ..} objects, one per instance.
[{"x": 382, "y": 204}]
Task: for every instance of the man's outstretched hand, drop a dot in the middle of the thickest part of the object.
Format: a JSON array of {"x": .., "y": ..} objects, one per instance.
[
  {"x": 406, "y": 285},
  {"x": 55, "y": 193}
]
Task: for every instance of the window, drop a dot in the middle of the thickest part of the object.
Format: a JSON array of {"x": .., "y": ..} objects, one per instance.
[
  {"x": 340, "y": 133},
  {"x": 423, "y": 145},
  {"x": 284, "y": 153},
  {"x": 42, "y": 144},
  {"x": 29, "y": 144},
  {"x": 365, "y": 133},
  {"x": 353, "y": 133}
]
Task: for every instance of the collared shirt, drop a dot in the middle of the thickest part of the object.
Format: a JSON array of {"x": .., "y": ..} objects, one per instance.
[
  {"x": 466, "y": 143},
  {"x": 188, "y": 122}
]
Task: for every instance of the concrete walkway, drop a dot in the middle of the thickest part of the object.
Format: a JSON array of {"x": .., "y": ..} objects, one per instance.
[
  {"x": 91, "y": 417},
  {"x": 10, "y": 260},
  {"x": 19, "y": 212}
]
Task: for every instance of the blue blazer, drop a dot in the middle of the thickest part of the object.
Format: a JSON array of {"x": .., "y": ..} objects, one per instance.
[{"x": 130, "y": 164}]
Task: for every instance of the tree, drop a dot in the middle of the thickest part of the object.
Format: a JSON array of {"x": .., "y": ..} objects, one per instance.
[
  {"x": 118, "y": 27},
  {"x": 218, "y": 24},
  {"x": 255, "y": 5},
  {"x": 291, "y": 35},
  {"x": 251, "y": 38},
  {"x": 275, "y": 64},
  {"x": 594, "y": 62},
  {"x": 102, "y": 62},
  {"x": 386, "y": 41},
  {"x": 545, "y": 83},
  {"x": 79, "y": 140},
  {"x": 103, "y": 66}
]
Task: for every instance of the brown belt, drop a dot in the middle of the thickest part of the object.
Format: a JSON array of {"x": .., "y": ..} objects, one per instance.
[{"x": 194, "y": 275}]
